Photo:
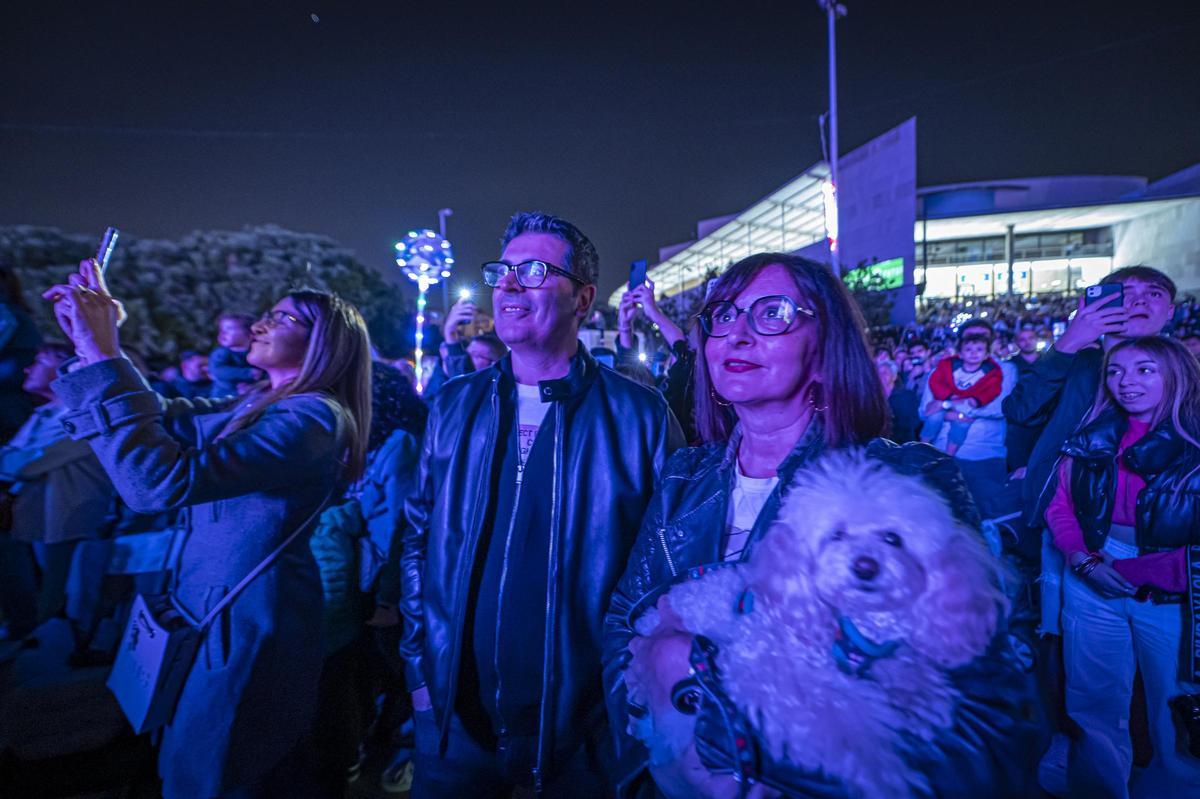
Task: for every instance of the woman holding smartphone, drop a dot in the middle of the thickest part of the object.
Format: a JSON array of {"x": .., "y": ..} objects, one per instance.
[
  {"x": 1126, "y": 510},
  {"x": 255, "y": 472}
]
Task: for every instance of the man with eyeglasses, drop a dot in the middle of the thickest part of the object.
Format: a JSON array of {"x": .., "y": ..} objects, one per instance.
[{"x": 534, "y": 477}]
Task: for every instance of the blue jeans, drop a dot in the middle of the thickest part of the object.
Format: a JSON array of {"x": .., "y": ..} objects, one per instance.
[
  {"x": 933, "y": 425},
  {"x": 469, "y": 770}
]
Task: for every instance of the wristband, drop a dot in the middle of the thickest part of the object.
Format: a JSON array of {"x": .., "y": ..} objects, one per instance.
[{"x": 1088, "y": 565}]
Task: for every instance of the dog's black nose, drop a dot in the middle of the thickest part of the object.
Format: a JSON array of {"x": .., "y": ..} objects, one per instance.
[{"x": 866, "y": 568}]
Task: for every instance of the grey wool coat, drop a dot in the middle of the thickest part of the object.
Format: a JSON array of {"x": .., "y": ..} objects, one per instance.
[{"x": 252, "y": 690}]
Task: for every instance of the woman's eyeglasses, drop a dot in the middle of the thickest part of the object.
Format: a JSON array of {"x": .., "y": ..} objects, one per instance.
[
  {"x": 769, "y": 316},
  {"x": 530, "y": 274},
  {"x": 280, "y": 317}
]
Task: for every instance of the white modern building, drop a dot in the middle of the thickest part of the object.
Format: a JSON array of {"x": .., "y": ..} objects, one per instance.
[{"x": 1026, "y": 236}]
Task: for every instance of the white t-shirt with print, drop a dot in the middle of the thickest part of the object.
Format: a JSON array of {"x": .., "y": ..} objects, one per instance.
[
  {"x": 745, "y": 503},
  {"x": 530, "y": 413}
]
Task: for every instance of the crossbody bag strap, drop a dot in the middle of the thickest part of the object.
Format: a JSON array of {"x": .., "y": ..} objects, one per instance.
[{"x": 262, "y": 567}]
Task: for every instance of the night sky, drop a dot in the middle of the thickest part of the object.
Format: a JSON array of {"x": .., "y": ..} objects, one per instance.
[{"x": 632, "y": 121}]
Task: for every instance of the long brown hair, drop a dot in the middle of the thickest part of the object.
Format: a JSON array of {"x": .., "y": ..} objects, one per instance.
[
  {"x": 855, "y": 407},
  {"x": 337, "y": 363},
  {"x": 1181, "y": 385}
]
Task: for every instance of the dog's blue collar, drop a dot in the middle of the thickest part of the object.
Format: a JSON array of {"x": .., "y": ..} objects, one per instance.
[{"x": 854, "y": 652}]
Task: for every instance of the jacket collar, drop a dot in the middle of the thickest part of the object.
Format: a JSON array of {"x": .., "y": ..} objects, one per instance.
[
  {"x": 1160, "y": 449},
  {"x": 808, "y": 448},
  {"x": 579, "y": 378},
  {"x": 1098, "y": 439}
]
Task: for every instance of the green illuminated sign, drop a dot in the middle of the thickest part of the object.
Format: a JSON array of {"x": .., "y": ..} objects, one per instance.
[{"x": 881, "y": 276}]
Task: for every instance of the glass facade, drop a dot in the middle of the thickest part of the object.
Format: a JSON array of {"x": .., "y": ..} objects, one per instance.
[{"x": 1042, "y": 263}]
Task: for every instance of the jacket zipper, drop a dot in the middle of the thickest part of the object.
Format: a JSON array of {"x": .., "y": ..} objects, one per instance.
[
  {"x": 546, "y": 711},
  {"x": 460, "y": 613},
  {"x": 662, "y": 539},
  {"x": 512, "y": 520}
]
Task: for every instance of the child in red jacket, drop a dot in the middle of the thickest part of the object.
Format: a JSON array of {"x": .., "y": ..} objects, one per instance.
[{"x": 958, "y": 385}]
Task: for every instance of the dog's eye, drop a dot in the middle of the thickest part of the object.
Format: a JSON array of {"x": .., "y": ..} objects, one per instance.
[{"x": 893, "y": 540}]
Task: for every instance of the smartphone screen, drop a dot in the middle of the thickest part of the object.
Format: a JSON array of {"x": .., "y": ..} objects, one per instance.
[
  {"x": 637, "y": 274},
  {"x": 1101, "y": 291},
  {"x": 105, "y": 250}
]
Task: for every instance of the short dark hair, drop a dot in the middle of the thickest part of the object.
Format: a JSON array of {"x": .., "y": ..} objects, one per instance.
[
  {"x": 492, "y": 342},
  {"x": 57, "y": 349},
  {"x": 243, "y": 319},
  {"x": 976, "y": 322},
  {"x": 582, "y": 258},
  {"x": 1146, "y": 274},
  {"x": 975, "y": 338}
]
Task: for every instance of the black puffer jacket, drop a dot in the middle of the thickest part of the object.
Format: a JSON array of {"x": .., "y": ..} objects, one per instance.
[
  {"x": 1168, "y": 508},
  {"x": 612, "y": 438},
  {"x": 1167, "y": 516},
  {"x": 996, "y": 734}
]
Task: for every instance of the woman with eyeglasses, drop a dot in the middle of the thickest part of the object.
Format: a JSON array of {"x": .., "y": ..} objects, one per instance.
[
  {"x": 255, "y": 472},
  {"x": 783, "y": 374}
]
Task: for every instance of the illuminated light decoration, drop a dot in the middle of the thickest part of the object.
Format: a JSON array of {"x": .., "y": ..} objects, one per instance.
[
  {"x": 829, "y": 195},
  {"x": 426, "y": 259}
]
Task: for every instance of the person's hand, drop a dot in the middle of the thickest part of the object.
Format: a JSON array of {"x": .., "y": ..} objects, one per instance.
[
  {"x": 933, "y": 407},
  {"x": 643, "y": 295},
  {"x": 87, "y": 313},
  {"x": 1104, "y": 579},
  {"x": 461, "y": 313},
  {"x": 1108, "y": 582},
  {"x": 385, "y": 616},
  {"x": 626, "y": 311},
  {"x": 1018, "y": 474},
  {"x": 1091, "y": 322},
  {"x": 421, "y": 700},
  {"x": 964, "y": 407}
]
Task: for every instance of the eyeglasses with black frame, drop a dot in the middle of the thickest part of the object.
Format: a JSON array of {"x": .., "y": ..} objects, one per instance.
[
  {"x": 773, "y": 315},
  {"x": 530, "y": 274},
  {"x": 281, "y": 317}
]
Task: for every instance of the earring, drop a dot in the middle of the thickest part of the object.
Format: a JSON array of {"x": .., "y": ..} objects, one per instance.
[
  {"x": 717, "y": 398},
  {"x": 816, "y": 398}
]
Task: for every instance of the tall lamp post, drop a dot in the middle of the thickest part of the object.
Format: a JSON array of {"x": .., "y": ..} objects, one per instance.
[
  {"x": 427, "y": 259},
  {"x": 833, "y": 10}
]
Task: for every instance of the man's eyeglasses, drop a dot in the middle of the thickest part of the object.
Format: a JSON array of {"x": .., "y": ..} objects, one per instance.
[
  {"x": 280, "y": 317},
  {"x": 769, "y": 316},
  {"x": 530, "y": 274}
]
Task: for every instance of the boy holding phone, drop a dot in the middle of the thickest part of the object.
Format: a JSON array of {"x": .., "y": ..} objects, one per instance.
[{"x": 1062, "y": 383}]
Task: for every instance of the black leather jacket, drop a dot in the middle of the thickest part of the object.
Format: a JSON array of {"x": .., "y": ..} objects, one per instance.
[
  {"x": 612, "y": 438},
  {"x": 997, "y": 735}
]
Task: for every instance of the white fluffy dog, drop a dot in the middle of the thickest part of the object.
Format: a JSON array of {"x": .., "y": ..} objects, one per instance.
[{"x": 835, "y": 637}]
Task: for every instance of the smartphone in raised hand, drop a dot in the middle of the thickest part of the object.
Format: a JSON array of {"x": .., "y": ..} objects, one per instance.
[
  {"x": 1101, "y": 291},
  {"x": 637, "y": 274},
  {"x": 105, "y": 251}
]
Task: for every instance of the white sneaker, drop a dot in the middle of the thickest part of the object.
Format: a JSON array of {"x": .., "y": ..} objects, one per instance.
[{"x": 1052, "y": 770}]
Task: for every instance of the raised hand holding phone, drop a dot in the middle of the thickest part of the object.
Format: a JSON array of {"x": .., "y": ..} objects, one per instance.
[
  {"x": 461, "y": 313},
  {"x": 87, "y": 313},
  {"x": 1101, "y": 316}
]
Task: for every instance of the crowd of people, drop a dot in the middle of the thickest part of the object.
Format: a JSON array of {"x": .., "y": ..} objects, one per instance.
[{"x": 781, "y": 556}]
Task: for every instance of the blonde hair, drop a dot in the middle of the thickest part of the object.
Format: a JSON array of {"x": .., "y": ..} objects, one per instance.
[
  {"x": 1181, "y": 386},
  {"x": 337, "y": 363}
]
